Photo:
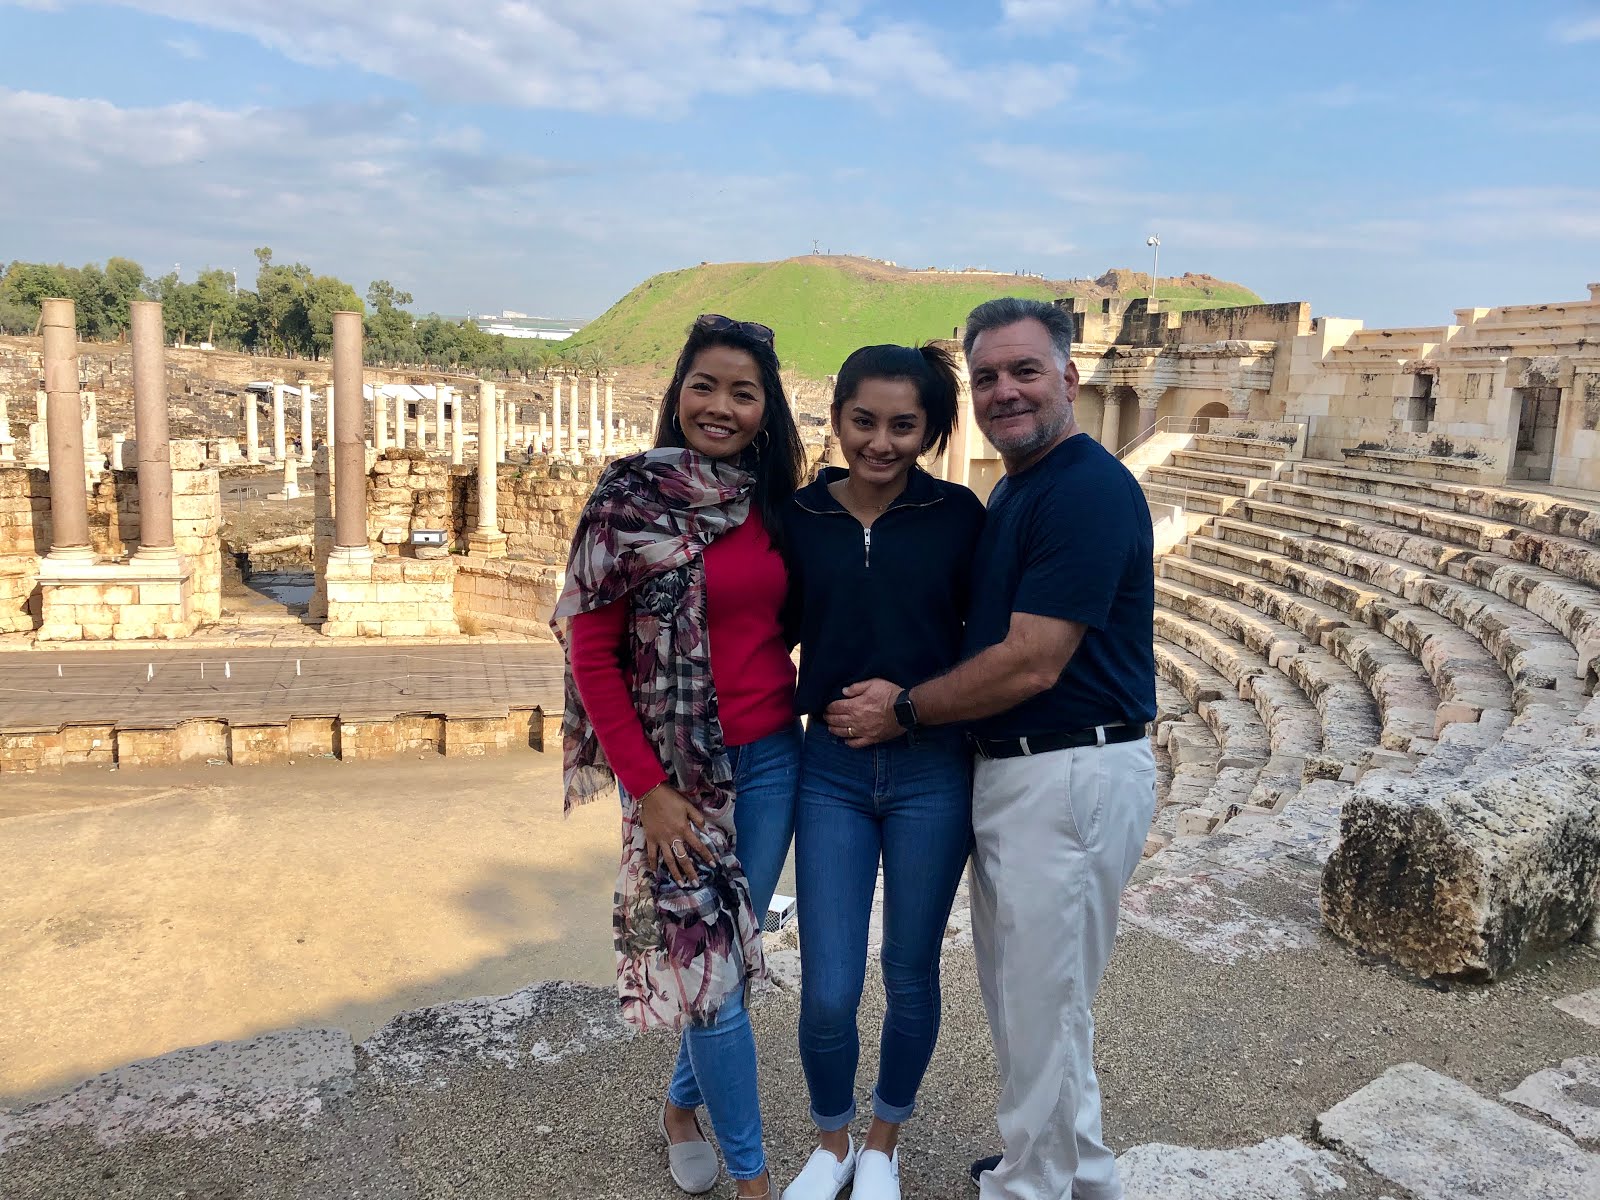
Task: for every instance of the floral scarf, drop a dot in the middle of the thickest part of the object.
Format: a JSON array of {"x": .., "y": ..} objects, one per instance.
[{"x": 680, "y": 951}]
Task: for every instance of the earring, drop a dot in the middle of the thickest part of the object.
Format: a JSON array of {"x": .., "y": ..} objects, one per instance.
[
  {"x": 673, "y": 421},
  {"x": 763, "y": 441}
]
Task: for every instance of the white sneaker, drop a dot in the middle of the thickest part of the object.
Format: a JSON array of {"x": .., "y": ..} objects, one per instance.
[
  {"x": 877, "y": 1176},
  {"x": 824, "y": 1176}
]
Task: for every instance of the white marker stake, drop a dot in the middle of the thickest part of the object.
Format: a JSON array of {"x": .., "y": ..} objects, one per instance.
[{"x": 227, "y": 670}]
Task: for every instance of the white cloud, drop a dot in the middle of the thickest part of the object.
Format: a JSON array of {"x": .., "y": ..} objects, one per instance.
[
  {"x": 1048, "y": 14},
  {"x": 1586, "y": 29},
  {"x": 186, "y": 47},
  {"x": 639, "y": 57}
]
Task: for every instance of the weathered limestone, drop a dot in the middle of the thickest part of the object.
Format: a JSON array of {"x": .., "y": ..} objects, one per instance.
[
  {"x": 574, "y": 420},
  {"x": 331, "y": 405},
  {"x": 486, "y": 541},
  {"x": 291, "y": 478},
  {"x": 156, "y": 539},
  {"x": 1440, "y": 1140},
  {"x": 594, "y": 415},
  {"x": 438, "y": 414},
  {"x": 1149, "y": 402},
  {"x": 1466, "y": 881},
  {"x": 7, "y": 442},
  {"x": 501, "y": 593},
  {"x": 118, "y": 442}
]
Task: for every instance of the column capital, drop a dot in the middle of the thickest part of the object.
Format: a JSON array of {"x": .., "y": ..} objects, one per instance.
[
  {"x": 1150, "y": 394},
  {"x": 1239, "y": 401}
]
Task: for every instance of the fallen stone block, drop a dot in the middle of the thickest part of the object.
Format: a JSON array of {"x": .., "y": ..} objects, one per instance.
[
  {"x": 1442, "y": 1141},
  {"x": 1464, "y": 882}
]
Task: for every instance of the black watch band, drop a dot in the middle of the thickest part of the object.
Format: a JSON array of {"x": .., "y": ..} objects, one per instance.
[{"x": 904, "y": 711}]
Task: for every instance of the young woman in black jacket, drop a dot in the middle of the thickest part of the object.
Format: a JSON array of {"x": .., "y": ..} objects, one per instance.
[{"x": 880, "y": 556}]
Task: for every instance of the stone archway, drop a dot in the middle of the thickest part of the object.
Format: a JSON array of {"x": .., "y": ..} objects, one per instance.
[{"x": 1215, "y": 409}]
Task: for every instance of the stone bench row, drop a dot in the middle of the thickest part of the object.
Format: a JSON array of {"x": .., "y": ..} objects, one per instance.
[
  {"x": 1215, "y": 482},
  {"x": 1467, "y": 679},
  {"x": 1211, "y": 503},
  {"x": 1544, "y": 512},
  {"x": 1405, "y": 694},
  {"x": 1227, "y": 464},
  {"x": 1241, "y": 447},
  {"x": 1418, "y": 466},
  {"x": 1570, "y": 607},
  {"x": 1247, "y": 774},
  {"x": 1540, "y": 663},
  {"x": 1348, "y": 712},
  {"x": 1576, "y": 558}
]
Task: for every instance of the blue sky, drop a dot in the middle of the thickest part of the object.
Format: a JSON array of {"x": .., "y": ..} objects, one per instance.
[{"x": 1390, "y": 161}]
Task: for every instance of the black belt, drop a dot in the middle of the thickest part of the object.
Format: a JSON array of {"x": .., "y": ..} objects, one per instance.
[{"x": 1099, "y": 735}]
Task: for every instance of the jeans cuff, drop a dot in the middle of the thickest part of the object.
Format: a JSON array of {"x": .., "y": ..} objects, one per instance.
[
  {"x": 891, "y": 1113},
  {"x": 690, "y": 1102},
  {"x": 834, "y": 1124},
  {"x": 755, "y": 1174}
]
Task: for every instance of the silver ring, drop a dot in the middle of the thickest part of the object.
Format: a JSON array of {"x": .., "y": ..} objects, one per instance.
[
  {"x": 679, "y": 849},
  {"x": 850, "y": 730}
]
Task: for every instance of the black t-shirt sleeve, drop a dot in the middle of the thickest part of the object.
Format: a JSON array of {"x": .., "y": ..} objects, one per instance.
[{"x": 1076, "y": 550}]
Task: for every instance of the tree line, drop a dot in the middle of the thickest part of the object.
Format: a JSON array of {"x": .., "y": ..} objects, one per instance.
[{"x": 289, "y": 314}]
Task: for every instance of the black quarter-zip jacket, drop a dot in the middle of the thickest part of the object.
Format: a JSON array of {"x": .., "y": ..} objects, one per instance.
[{"x": 888, "y": 602}]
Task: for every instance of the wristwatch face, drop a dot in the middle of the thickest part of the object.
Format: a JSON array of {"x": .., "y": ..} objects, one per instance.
[{"x": 905, "y": 712}]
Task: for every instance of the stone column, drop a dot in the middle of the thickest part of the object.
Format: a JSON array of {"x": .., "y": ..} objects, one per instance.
[
  {"x": 306, "y": 396},
  {"x": 555, "y": 410},
  {"x": 1149, "y": 401},
  {"x": 422, "y": 423},
  {"x": 349, "y": 446},
  {"x": 280, "y": 448},
  {"x": 513, "y": 430},
  {"x": 486, "y": 541},
  {"x": 574, "y": 420},
  {"x": 93, "y": 461},
  {"x": 1111, "y": 419},
  {"x": 118, "y": 441},
  {"x": 1239, "y": 402},
  {"x": 438, "y": 416},
  {"x": 456, "y": 419},
  {"x": 611, "y": 424},
  {"x": 594, "y": 415},
  {"x": 400, "y": 422},
  {"x": 332, "y": 388},
  {"x": 252, "y": 427},
  {"x": 291, "y": 478},
  {"x": 380, "y": 419},
  {"x": 151, "y": 432},
  {"x": 7, "y": 443},
  {"x": 69, "y": 494}
]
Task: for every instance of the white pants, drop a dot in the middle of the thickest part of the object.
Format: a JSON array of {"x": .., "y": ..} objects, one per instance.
[{"x": 1058, "y": 836}]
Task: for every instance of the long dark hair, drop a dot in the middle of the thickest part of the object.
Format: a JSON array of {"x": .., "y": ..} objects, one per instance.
[
  {"x": 776, "y": 458},
  {"x": 930, "y": 369}
]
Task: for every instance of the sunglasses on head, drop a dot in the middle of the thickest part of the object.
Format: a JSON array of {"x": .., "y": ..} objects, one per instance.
[{"x": 717, "y": 323}]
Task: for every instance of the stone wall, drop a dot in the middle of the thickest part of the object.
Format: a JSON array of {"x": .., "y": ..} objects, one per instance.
[
  {"x": 26, "y": 531},
  {"x": 502, "y": 593},
  {"x": 539, "y": 507},
  {"x": 390, "y": 597}
]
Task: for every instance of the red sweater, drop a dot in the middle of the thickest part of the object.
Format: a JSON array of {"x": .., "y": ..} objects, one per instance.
[{"x": 750, "y": 667}]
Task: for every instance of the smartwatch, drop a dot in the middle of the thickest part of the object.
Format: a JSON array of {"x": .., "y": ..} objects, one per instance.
[{"x": 904, "y": 711}]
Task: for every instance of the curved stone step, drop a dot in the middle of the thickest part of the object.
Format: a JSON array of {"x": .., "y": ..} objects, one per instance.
[
  {"x": 1350, "y": 721},
  {"x": 1546, "y": 512},
  {"x": 1202, "y": 481},
  {"x": 1225, "y": 464},
  {"x": 1541, "y": 663},
  {"x": 1189, "y": 501},
  {"x": 1408, "y": 702},
  {"x": 1568, "y": 605},
  {"x": 1464, "y": 673}
]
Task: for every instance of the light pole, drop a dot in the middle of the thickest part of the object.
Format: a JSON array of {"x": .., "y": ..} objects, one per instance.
[{"x": 1154, "y": 243}]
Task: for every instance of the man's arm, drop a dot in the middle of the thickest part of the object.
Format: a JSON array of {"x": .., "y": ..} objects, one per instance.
[{"x": 1029, "y": 661}]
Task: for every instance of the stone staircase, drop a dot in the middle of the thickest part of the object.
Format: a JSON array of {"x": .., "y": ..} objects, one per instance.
[{"x": 1322, "y": 625}]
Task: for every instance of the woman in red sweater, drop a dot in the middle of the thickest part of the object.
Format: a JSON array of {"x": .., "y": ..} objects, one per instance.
[{"x": 681, "y": 690}]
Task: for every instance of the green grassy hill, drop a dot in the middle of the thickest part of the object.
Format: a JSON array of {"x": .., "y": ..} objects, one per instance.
[{"x": 821, "y": 307}]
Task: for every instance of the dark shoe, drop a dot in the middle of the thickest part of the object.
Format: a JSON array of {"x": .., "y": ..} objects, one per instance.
[{"x": 984, "y": 1164}]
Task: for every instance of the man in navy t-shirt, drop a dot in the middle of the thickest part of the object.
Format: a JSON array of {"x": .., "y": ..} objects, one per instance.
[{"x": 1057, "y": 685}]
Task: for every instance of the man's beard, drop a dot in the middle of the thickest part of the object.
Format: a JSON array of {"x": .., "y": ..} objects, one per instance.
[{"x": 1047, "y": 431}]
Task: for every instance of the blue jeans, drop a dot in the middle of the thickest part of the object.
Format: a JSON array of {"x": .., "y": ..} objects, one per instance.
[
  {"x": 913, "y": 805},
  {"x": 717, "y": 1063}
]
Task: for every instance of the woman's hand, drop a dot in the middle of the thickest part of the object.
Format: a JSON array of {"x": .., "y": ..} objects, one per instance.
[{"x": 671, "y": 833}]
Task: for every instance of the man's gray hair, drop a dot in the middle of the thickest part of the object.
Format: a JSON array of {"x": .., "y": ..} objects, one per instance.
[{"x": 1008, "y": 310}]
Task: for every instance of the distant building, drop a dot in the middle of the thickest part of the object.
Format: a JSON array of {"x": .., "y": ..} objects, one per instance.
[{"x": 519, "y": 325}]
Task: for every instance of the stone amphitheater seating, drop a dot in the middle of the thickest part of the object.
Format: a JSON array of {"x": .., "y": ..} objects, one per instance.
[
  {"x": 1423, "y": 466},
  {"x": 1410, "y": 654}
]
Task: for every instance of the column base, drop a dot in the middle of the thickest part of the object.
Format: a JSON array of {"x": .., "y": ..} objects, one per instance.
[
  {"x": 154, "y": 556},
  {"x": 69, "y": 555},
  {"x": 485, "y": 544},
  {"x": 350, "y": 555}
]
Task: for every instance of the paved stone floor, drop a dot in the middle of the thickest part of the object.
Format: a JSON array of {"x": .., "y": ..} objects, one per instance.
[{"x": 243, "y": 680}]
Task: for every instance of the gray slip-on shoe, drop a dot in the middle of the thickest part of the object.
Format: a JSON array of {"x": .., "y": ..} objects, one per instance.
[{"x": 693, "y": 1165}]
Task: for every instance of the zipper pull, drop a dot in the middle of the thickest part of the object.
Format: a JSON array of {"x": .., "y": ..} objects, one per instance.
[{"x": 866, "y": 537}]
